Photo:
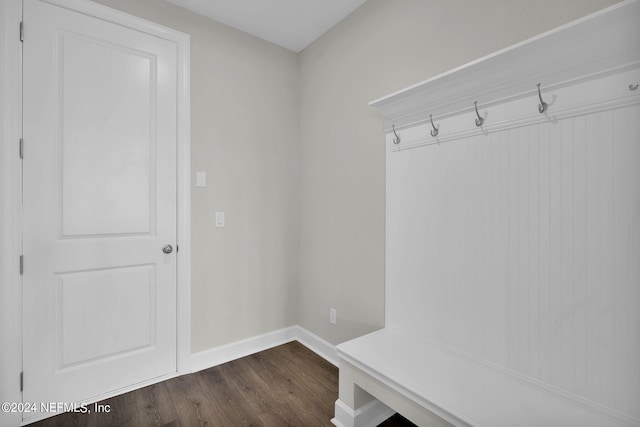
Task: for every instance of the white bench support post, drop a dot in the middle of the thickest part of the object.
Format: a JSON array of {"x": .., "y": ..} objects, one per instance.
[
  {"x": 366, "y": 401},
  {"x": 355, "y": 407}
]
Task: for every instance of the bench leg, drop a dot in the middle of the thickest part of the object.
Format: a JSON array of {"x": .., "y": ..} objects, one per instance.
[{"x": 355, "y": 407}]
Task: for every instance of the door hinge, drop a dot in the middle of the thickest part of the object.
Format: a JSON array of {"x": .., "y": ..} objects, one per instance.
[
  {"x": 22, "y": 381},
  {"x": 21, "y": 264},
  {"x": 21, "y": 31},
  {"x": 21, "y": 148}
]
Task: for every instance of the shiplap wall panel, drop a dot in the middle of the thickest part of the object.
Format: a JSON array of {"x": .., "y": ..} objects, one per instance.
[{"x": 522, "y": 247}]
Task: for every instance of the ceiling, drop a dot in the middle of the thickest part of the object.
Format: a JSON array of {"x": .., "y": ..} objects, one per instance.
[{"x": 292, "y": 24}]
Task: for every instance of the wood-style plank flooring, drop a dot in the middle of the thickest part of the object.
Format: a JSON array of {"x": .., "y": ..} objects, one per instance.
[{"x": 288, "y": 385}]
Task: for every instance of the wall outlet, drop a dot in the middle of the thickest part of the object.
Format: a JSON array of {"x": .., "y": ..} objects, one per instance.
[{"x": 332, "y": 315}]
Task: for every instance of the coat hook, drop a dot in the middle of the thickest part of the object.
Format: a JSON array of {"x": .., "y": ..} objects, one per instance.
[
  {"x": 633, "y": 87},
  {"x": 479, "y": 120},
  {"x": 435, "y": 130},
  {"x": 396, "y": 140},
  {"x": 542, "y": 107}
]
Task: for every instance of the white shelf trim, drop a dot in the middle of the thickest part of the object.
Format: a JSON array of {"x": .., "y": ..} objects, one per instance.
[{"x": 597, "y": 42}]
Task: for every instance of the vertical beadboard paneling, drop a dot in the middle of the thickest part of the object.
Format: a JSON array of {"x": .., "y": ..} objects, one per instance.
[
  {"x": 533, "y": 289},
  {"x": 555, "y": 256},
  {"x": 634, "y": 300},
  {"x": 620, "y": 249},
  {"x": 522, "y": 247},
  {"x": 579, "y": 333},
  {"x": 501, "y": 299},
  {"x": 512, "y": 259},
  {"x": 634, "y": 284},
  {"x": 596, "y": 162},
  {"x": 567, "y": 282},
  {"x": 626, "y": 219},
  {"x": 522, "y": 279},
  {"x": 544, "y": 252},
  {"x": 493, "y": 241},
  {"x": 604, "y": 324}
]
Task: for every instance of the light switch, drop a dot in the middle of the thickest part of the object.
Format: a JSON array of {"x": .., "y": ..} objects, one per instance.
[
  {"x": 201, "y": 179},
  {"x": 219, "y": 219}
]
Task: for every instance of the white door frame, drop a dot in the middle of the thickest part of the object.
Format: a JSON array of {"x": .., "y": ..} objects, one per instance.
[{"x": 11, "y": 188}]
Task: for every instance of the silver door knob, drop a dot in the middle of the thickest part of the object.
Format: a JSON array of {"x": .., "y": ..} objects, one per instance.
[{"x": 167, "y": 249}]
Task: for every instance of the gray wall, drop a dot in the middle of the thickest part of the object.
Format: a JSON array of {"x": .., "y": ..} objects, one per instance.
[
  {"x": 244, "y": 118},
  {"x": 382, "y": 47},
  {"x": 295, "y": 157}
]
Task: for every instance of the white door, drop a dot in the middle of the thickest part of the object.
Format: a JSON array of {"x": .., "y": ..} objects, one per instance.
[{"x": 99, "y": 205}]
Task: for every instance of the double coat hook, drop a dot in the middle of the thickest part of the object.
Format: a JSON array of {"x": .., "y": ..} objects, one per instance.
[
  {"x": 479, "y": 120},
  {"x": 396, "y": 140},
  {"x": 435, "y": 130},
  {"x": 542, "y": 107}
]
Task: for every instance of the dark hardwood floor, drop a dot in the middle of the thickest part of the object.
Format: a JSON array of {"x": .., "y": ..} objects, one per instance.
[{"x": 287, "y": 385}]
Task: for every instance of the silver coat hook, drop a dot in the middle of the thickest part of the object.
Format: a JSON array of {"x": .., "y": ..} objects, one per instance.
[
  {"x": 396, "y": 140},
  {"x": 542, "y": 107},
  {"x": 435, "y": 130},
  {"x": 479, "y": 120},
  {"x": 633, "y": 87}
]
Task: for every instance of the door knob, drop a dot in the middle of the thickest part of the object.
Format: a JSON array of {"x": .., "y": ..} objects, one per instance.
[{"x": 167, "y": 249}]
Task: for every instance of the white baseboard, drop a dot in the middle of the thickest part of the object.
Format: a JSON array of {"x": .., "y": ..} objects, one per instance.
[
  {"x": 321, "y": 347},
  {"x": 228, "y": 352},
  {"x": 103, "y": 396},
  {"x": 369, "y": 415}
]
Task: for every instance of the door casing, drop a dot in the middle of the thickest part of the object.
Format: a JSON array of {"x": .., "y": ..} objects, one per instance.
[{"x": 11, "y": 189}]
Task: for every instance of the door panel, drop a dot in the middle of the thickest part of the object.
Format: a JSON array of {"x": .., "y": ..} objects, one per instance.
[
  {"x": 108, "y": 130},
  {"x": 126, "y": 294},
  {"x": 99, "y": 205}
]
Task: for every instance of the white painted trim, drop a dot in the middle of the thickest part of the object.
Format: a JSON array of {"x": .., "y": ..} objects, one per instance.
[
  {"x": 549, "y": 389},
  {"x": 108, "y": 14},
  {"x": 10, "y": 189},
  {"x": 606, "y": 38},
  {"x": 235, "y": 350},
  {"x": 523, "y": 112},
  {"x": 446, "y": 411},
  {"x": 548, "y": 94},
  {"x": 321, "y": 347},
  {"x": 113, "y": 393},
  {"x": 228, "y": 352},
  {"x": 369, "y": 415},
  {"x": 391, "y": 384},
  {"x": 375, "y": 410},
  {"x": 10, "y": 207},
  {"x": 584, "y": 67},
  {"x": 183, "y": 159}
]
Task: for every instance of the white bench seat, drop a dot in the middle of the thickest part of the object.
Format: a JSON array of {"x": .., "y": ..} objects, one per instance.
[{"x": 435, "y": 386}]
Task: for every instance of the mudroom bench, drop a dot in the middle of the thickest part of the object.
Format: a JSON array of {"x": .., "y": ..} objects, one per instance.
[
  {"x": 511, "y": 279},
  {"x": 391, "y": 371}
]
